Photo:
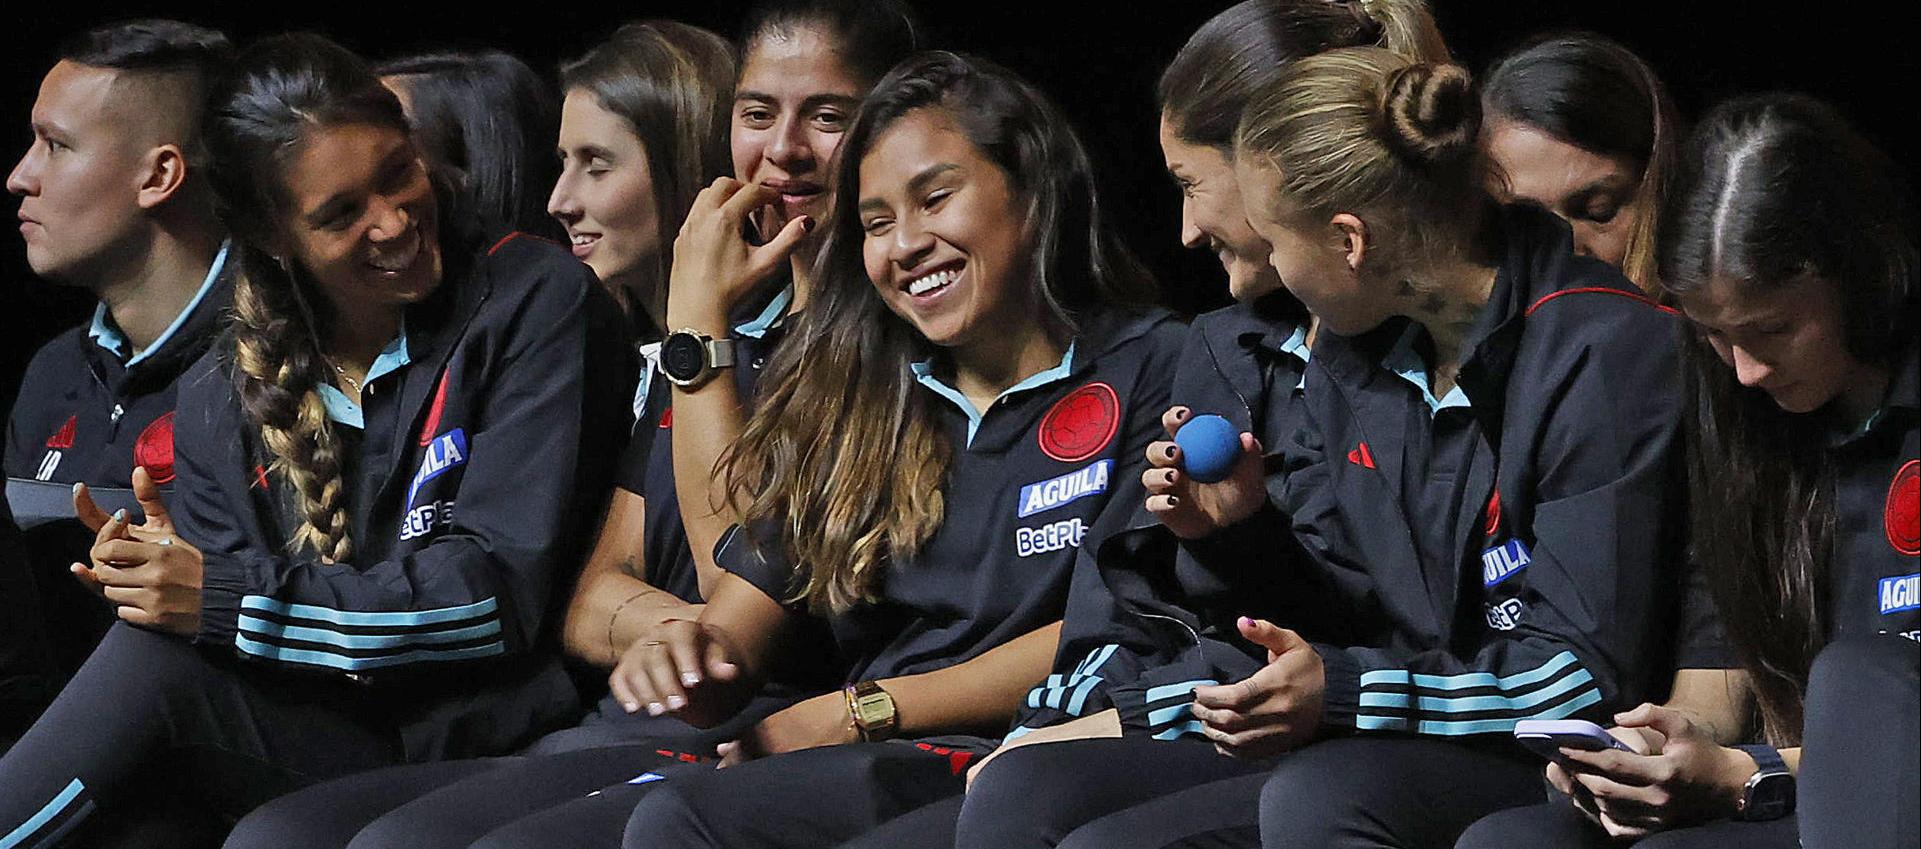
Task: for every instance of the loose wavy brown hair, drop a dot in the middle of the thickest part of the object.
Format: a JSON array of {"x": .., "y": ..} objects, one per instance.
[{"x": 844, "y": 456}]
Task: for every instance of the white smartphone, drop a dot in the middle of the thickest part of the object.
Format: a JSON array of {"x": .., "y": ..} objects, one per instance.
[{"x": 1547, "y": 737}]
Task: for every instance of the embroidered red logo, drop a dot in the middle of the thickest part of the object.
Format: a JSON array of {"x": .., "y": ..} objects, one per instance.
[
  {"x": 63, "y": 438},
  {"x": 260, "y": 477},
  {"x": 667, "y": 419},
  {"x": 1362, "y": 457},
  {"x": 433, "y": 412},
  {"x": 154, "y": 449},
  {"x": 1902, "y": 516},
  {"x": 956, "y": 760},
  {"x": 1493, "y": 514},
  {"x": 683, "y": 757},
  {"x": 1081, "y": 424}
]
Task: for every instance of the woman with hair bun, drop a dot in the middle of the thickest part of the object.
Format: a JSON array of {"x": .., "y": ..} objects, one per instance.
[
  {"x": 384, "y": 474},
  {"x": 1481, "y": 490},
  {"x": 1244, "y": 362},
  {"x": 1500, "y": 422}
]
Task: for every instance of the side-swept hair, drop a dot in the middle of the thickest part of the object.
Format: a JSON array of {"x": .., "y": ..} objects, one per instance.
[
  {"x": 844, "y": 454},
  {"x": 488, "y": 122},
  {"x": 1775, "y": 190},
  {"x": 673, "y": 84},
  {"x": 1592, "y": 93}
]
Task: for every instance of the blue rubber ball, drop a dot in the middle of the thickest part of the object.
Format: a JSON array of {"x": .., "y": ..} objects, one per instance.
[{"x": 1210, "y": 445}]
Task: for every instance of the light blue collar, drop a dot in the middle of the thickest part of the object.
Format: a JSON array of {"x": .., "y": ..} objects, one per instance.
[
  {"x": 924, "y": 372},
  {"x": 769, "y": 317},
  {"x": 1296, "y": 345},
  {"x": 1402, "y": 360},
  {"x": 392, "y": 358},
  {"x": 107, "y": 336}
]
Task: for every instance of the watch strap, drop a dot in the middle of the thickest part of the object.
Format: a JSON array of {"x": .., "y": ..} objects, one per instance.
[
  {"x": 872, "y": 710},
  {"x": 720, "y": 352},
  {"x": 1766, "y": 757},
  {"x": 1769, "y": 793}
]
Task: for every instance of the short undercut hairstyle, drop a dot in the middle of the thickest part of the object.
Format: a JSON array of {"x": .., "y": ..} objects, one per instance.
[{"x": 170, "y": 53}]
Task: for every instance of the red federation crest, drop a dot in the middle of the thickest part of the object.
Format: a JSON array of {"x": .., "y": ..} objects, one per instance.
[
  {"x": 1902, "y": 516},
  {"x": 154, "y": 449},
  {"x": 1081, "y": 424}
]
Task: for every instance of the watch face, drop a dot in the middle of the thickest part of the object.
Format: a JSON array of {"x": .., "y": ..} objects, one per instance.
[
  {"x": 1770, "y": 797},
  {"x": 682, "y": 356}
]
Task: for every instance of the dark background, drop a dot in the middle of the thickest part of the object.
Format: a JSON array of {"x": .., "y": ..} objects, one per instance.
[{"x": 1098, "y": 60}]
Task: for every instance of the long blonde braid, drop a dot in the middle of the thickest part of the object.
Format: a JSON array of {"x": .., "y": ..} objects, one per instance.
[{"x": 278, "y": 377}]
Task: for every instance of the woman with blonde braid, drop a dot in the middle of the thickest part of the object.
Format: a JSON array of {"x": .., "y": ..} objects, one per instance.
[{"x": 383, "y": 473}]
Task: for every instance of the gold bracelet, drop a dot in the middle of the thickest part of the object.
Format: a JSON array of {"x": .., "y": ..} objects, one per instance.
[{"x": 611, "y": 620}]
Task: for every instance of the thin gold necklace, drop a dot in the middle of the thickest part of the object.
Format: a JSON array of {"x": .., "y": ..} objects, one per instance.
[{"x": 343, "y": 375}]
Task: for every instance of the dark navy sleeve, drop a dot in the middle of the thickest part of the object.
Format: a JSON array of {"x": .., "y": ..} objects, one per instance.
[
  {"x": 480, "y": 589},
  {"x": 759, "y": 562},
  {"x": 26, "y": 428},
  {"x": 1700, "y": 641},
  {"x": 1598, "y": 411},
  {"x": 631, "y": 474}
]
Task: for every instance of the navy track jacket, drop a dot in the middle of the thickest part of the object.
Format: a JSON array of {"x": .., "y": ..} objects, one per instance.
[
  {"x": 1556, "y": 601},
  {"x": 1551, "y": 599},
  {"x": 475, "y": 486}
]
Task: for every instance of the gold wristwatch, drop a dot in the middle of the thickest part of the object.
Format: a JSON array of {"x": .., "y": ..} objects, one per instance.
[{"x": 872, "y": 710}]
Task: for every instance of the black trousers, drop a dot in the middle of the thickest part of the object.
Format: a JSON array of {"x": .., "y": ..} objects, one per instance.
[
  {"x": 149, "y": 715},
  {"x": 1375, "y": 792},
  {"x": 1223, "y": 815},
  {"x": 1857, "y": 783},
  {"x": 811, "y": 798},
  {"x": 452, "y": 804},
  {"x": 1558, "y": 824},
  {"x": 1035, "y": 796}
]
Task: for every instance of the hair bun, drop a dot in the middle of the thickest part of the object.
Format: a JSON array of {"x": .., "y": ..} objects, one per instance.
[{"x": 1431, "y": 113}]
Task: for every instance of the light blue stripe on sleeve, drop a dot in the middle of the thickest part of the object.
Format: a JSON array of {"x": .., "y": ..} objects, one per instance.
[
  {"x": 1464, "y": 727},
  {"x": 1019, "y": 731},
  {"x": 264, "y": 628},
  {"x": 1155, "y": 694},
  {"x": 353, "y": 664},
  {"x": 1095, "y": 659},
  {"x": 1079, "y": 701},
  {"x": 1471, "y": 679},
  {"x": 359, "y": 617},
  {"x": 1167, "y": 714},
  {"x": 1189, "y": 727},
  {"x": 45, "y": 815},
  {"x": 1465, "y": 704}
]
